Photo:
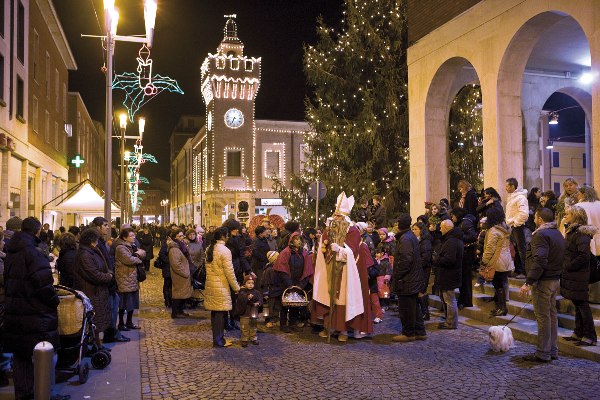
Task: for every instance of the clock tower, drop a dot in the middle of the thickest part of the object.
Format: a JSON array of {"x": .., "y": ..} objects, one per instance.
[{"x": 230, "y": 81}]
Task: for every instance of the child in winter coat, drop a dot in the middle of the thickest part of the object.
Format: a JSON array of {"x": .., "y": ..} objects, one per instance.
[
  {"x": 270, "y": 291},
  {"x": 383, "y": 254},
  {"x": 248, "y": 300}
]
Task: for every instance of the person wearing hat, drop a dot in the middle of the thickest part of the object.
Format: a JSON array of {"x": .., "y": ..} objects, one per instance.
[
  {"x": 260, "y": 248},
  {"x": 408, "y": 281},
  {"x": 351, "y": 305},
  {"x": 248, "y": 299},
  {"x": 271, "y": 293},
  {"x": 12, "y": 225},
  {"x": 241, "y": 267}
]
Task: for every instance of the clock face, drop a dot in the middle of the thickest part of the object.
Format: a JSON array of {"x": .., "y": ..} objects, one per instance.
[
  {"x": 234, "y": 118},
  {"x": 209, "y": 122}
]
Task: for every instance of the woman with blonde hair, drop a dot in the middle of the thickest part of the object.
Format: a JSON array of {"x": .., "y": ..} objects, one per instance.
[
  {"x": 588, "y": 200},
  {"x": 576, "y": 274}
]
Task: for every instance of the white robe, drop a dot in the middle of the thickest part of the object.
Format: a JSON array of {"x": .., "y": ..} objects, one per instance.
[{"x": 350, "y": 289}]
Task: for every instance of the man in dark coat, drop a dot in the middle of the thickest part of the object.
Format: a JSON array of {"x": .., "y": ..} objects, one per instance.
[
  {"x": 544, "y": 262},
  {"x": 363, "y": 214},
  {"x": 468, "y": 224},
  {"x": 408, "y": 281},
  {"x": 103, "y": 228},
  {"x": 378, "y": 213},
  {"x": 147, "y": 244},
  {"x": 237, "y": 246},
  {"x": 449, "y": 264},
  {"x": 31, "y": 304},
  {"x": 260, "y": 248}
]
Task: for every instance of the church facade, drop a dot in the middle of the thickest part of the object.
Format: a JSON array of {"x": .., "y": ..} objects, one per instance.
[{"x": 234, "y": 157}]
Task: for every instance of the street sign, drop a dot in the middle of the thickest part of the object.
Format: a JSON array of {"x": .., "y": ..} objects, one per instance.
[
  {"x": 77, "y": 161},
  {"x": 312, "y": 190}
]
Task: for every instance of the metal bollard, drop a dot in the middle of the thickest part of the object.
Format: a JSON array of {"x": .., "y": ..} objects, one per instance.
[{"x": 43, "y": 370}]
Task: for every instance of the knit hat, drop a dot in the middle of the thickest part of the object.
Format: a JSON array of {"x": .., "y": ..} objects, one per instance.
[
  {"x": 248, "y": 278},
  {"x": 14, "y": 224},
  {"x": 272, "y": 256}
]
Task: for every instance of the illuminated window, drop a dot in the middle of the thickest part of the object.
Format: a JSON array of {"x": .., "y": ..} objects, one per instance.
[
  {"x": 234, "y": 163},
  {"x": 271, "y": 164}
]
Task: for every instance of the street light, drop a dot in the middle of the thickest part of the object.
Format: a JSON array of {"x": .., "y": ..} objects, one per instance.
[
  {"x": 165, "y": 203},
  {"x": 111, "y": 21},
  {"x": 142, "y": 125}
]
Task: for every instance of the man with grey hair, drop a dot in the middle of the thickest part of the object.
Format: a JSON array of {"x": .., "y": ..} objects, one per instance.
[{"x": 449, "y": 267}]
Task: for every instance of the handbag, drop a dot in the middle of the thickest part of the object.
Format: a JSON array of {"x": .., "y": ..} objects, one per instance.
[
  {"x": 488, "y": 271},
  {"x": 594, "y": 269},
  {"x": 141, "y": 273}
]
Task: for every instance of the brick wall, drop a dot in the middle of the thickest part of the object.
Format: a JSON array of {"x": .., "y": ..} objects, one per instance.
[{"x": 425, "y": 16}]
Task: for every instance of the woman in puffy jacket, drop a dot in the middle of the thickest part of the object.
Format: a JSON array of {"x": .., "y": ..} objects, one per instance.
[
  {"x": 220, "y": 279},
  {"x": 179, "y": 263},
  {"x": 126, "y": 261},
  {"x": 496, "y": 252},
  {"x": 574, "y": 281}
]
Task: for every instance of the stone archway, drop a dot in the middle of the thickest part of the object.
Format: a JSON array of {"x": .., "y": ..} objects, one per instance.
[
  {"x": 520, "y": 100},
  {"x": 429, "y": 171}
]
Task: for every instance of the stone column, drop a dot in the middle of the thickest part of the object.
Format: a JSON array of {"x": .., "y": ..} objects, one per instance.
[{"x": 24, "y": 192}]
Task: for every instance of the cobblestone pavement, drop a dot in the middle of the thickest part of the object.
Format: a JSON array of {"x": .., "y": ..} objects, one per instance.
[{"x": 179, "y": 362}]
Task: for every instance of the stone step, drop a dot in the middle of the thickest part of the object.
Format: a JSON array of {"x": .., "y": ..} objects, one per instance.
[
  {"x": 523, "y": 329},
  {"x": 564, "y": 320},
  {"x": 563, "y": 305}
]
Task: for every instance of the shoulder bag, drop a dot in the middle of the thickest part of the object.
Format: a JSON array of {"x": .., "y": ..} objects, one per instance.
[{"x": 488, "y": 271}]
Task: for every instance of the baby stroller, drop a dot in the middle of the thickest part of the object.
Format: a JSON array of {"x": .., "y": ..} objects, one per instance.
[{"x": 77, "y": 337}]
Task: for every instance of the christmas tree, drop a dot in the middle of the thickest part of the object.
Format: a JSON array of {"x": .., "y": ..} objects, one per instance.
[
  {"x": 466, "y": 138},
  {"x": 357, "y": 112}
]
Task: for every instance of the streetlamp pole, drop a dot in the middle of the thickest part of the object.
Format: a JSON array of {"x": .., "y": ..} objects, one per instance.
[
  {"x": 111, "y": 20},
  {"x": 123, "y": 125}
]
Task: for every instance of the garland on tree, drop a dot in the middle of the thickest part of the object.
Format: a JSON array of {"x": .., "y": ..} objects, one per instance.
[
  {"x": 357, "y": 112},
  {"x": 465, "y": 137}
]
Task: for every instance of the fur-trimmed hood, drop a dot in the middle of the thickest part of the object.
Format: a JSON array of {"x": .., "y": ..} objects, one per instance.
[{"x": 588, "y": 230}]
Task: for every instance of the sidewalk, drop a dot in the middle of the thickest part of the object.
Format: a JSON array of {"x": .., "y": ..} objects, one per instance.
[{"x": 120, "y": 380}]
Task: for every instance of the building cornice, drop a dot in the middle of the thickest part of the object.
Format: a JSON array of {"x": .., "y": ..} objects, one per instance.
[{"x": 56, "y": 31}]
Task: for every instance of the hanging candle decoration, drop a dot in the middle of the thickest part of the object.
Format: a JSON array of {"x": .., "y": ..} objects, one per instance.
[{"x": 140, "y": 87}]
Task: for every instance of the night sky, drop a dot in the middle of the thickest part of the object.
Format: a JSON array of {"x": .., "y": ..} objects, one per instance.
[{"x": 186, "y": 31}]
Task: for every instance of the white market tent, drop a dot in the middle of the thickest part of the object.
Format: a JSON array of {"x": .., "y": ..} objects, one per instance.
[{"x": 84, "y": 201}]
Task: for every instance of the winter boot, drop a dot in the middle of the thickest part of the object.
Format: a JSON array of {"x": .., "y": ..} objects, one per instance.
[{"x": 501, "y": 309}]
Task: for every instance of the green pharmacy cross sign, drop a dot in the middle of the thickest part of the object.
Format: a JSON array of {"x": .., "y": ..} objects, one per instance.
[{"x": 77, "y": 161}]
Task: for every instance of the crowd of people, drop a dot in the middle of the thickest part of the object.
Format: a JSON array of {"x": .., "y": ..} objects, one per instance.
[{"x": 350, "y": 270}]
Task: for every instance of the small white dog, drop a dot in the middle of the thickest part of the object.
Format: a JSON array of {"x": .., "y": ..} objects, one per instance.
[{"x": 501, "y": 338}]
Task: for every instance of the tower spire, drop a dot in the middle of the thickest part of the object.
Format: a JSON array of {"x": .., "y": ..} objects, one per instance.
[{"x": 231, "y": 44}]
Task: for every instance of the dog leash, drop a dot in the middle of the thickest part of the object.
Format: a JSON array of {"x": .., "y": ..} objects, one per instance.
[{"x": 518, "y": 312}]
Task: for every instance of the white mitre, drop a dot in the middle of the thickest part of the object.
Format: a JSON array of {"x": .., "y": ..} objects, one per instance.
[{"x": 344, "y": 205}]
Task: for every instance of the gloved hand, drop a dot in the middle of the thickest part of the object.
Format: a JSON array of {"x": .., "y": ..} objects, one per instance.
[{"x": 335, "y": 247}]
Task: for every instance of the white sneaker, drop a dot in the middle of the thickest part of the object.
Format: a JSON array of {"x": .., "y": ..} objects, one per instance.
[
  {"x": 477, "y": 284},
  {"x": 377, "y": 320},
  {"x": 359, "y": 335}
]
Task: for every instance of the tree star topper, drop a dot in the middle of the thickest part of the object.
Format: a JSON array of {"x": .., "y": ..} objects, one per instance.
[{"x": 140, "y": 88}]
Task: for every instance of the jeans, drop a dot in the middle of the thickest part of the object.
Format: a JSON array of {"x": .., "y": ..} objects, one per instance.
[
  {"x": 584, "y": 321},
  {"x": 410, "y": 314},
  {"x": 217, "y": 323},
  {"x": 449, "y": 297},
  {"x": 517, "y": 236},
  {"x": 248, "y": 328},
  {"x": 167, "y": 288},
  {"x": 544, "y": 306}
]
